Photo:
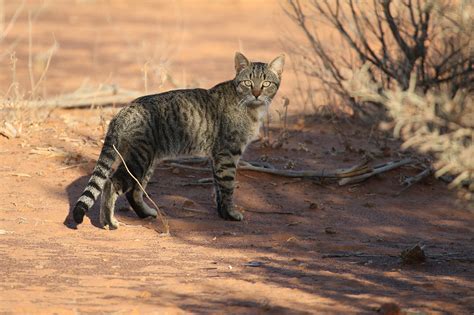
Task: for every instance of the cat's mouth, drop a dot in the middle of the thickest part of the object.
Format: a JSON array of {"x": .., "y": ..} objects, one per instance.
[{"x": 255, "y": 103}]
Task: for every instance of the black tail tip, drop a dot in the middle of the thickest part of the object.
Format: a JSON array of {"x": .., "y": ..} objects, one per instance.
[{"x": 78, "y": 213}]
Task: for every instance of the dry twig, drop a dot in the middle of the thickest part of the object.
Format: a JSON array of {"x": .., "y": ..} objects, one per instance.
[
  {"x": 410, "y": 181},
  {"x": 164, "y": 221},
  {"x": 270, "y": 212}
]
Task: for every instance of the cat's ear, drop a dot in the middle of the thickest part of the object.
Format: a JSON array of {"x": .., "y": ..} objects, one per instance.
[
  {"x": 241, "y": 62},
  {"x": 277, "y": 65}
]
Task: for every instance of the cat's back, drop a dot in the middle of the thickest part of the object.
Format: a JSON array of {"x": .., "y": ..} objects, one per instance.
[{"x": 176, "y": 98}]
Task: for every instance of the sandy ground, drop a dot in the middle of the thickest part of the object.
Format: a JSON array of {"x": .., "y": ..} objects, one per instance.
[{"x": 275, "y": 261}]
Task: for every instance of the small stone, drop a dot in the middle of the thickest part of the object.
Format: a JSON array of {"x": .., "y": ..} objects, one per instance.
[
  {"x": 413, "y": 255},
  {"x": 330, "y": 230},
  {"x": 254, "y": 264}
]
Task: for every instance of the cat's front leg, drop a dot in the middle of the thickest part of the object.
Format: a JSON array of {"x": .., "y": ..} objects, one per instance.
[{"x": 224, "y": 169}]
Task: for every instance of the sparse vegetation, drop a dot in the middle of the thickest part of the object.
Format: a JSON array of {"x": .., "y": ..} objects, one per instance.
[
  {"x": 431, "y": 122},
  {"x": 417, "y": 67},
  {"x": 432, "y": 39}
]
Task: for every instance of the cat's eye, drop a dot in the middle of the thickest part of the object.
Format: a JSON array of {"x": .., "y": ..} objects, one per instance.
[
  {"x": 248, "y": 83},
  {"x": 266, "y": 83}
]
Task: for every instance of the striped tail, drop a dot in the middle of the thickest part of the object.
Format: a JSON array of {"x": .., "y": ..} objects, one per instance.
[{"x": 97, "y": 181}]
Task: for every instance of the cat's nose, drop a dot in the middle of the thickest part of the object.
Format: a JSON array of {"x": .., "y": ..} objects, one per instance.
[{"x": 256, "y": 92}]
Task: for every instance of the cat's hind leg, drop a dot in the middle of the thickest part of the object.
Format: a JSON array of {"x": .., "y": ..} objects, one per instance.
[
  {"x": 107, "y": 205},
  {"x": 135, "y": 197},
  {"x": 120, "y": 182}
]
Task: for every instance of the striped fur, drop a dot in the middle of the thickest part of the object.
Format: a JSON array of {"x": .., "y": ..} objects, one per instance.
[{"x": 218, "y": 123}]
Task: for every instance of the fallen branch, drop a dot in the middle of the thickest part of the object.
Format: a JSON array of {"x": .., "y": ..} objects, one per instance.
[
  {"x": 86, "y": 97},
  {"x": 163, "y": 220},
  {"x": 271, "y": 212},
  {"x": 355, "y": 174},
  {"x": 338, "y": 173}
]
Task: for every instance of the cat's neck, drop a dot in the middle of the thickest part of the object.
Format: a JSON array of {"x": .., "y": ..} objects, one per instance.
[{"x": 224, "y": 87}]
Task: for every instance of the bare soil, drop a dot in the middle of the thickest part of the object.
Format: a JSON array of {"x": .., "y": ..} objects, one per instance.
[{"x": 305, "y": 247}]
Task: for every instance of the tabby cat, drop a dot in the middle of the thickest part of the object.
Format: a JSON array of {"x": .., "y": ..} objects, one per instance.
[{"x": 218, "y": 123}]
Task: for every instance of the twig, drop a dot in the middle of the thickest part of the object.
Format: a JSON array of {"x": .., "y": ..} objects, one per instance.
[
  {"x": 271, "y": 212},
  {"x": 163, "y": 220},
  {"x": 72, "y": 166},
  {"x": 248, "y": 176},
  {"x": 207, "y": 180},
  {"x": 197, "y": 184},
  {"x": 30, "y": 54},
  {"x": 410, "y": 181},
  {"x": 377, "y": 170},
  {"x": 186, "y": 160},
  {"x": 52, "y": 50},
  {"x": 194, "y": 210},
  {"x": 341, "y": 255},
  {"x": 193, "y": 168}
]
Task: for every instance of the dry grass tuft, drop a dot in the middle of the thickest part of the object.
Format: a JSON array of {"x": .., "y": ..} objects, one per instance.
[{"x": 431, "y": 122}]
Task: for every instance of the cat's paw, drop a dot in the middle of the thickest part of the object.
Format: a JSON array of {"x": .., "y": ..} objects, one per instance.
[
  {"x": 231, "y": 215},
  {"x": 235, "y": 215},
  {"x": 112, "y": 224},
  {"x": 146, "y": 212}
]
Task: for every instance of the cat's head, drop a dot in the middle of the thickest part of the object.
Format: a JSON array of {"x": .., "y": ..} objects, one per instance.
[{"x": 257, "y": 82}]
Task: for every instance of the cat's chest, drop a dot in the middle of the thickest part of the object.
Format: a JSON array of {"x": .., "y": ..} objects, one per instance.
[
  {"x": 256, "y": 122},
  {"x": 255, "y": 130},
  {"x": 243, "y": 126}
]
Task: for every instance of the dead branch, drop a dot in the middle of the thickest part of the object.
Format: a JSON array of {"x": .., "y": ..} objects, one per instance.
[
  {"x": 86, "y": 97},
  {"x": 354, "y": 174},
  {"x": 338, "y": 173}
]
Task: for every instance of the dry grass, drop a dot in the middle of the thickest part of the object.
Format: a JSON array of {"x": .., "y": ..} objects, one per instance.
[
  {"x": 15, "y": 102},
  {"x": 431, "y": 122}
]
